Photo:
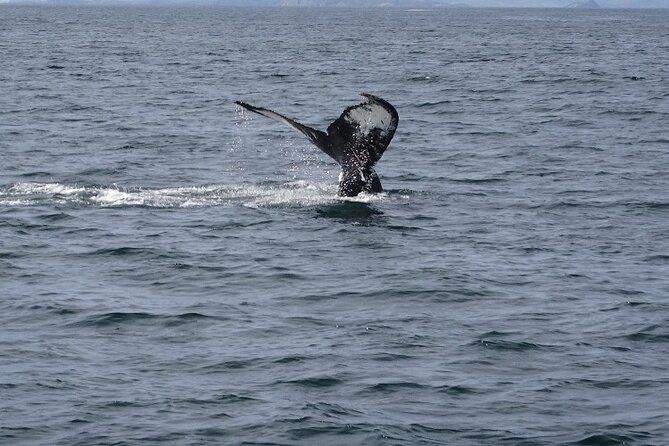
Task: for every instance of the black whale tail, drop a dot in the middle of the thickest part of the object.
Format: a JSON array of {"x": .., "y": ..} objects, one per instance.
[
  {"x": 315, "y": 136},
  {"x": 356, "y": 140}
]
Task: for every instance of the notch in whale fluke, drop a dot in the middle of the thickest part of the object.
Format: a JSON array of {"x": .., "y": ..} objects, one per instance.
[{"x": 356, "y": 140}]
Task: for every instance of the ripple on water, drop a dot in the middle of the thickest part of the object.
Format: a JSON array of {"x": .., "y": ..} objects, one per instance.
[{"x": 171, "y": 275}]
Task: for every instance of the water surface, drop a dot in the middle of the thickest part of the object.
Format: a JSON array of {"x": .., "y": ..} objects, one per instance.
[{"x": 173, "y": 270}]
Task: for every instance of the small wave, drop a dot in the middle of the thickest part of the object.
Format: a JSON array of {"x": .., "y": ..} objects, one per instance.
[
  {"x": 234, "y": 398},
  {"x": 186, "y": 318},
  {"x": 37, "y": 173},
  {"x": 477, "y": 180},
  {"x": 123, "y": 251},
  {"x": 605, "y": 440},
  {"x": 315, "y": 381},
  {"x": 55, "y": 217},
  {"x": 457, "y": 390},
  {"x": 423, "y": 428},
  {"x": 319, "y": 431},
  {"x": 331, "y": 410},
  {"x": 659, "y": 259},
  {"x": 433, "y": 103},
  {"x": 115, "y": 318},
  {"x": 650, "y": 334},
  {"x": 52, "y": 309},
  {"x": 390, "y": 357},
  {"x": 121, "y": 318},
  {"x": 518, "y": 346},
  {"x": 232, "y": 364},
  {"x": 291, "y": 358},
  {"x": 392, "y": 387}
]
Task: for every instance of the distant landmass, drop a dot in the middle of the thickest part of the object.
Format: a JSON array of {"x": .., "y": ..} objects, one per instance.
[
  {"x": 422, "y": 4},
  {"x": 366, "y": 3},
  {"x": 587, "y": 4}
]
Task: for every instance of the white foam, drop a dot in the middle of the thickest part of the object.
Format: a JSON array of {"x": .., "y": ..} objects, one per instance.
[
  {"x": 185, "y": 197},
  {"x": 364, "y": 197},
  {"x": 16, "y": 203},
  {"x": 31, "y": 194},
  {"x": 114, "y": 197},
  {"x": 43, "y": 188},
  {"x": 295, "y": 193},
  {"x": 369, "y": 117}
]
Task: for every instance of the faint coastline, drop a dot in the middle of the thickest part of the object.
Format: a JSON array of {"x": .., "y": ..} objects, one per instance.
[
  {"x": 587, "y": 4},
  {"x": 418, "y": 4}
]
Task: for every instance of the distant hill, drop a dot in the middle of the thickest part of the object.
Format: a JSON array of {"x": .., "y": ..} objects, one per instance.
[
  {"x": 586, "y": 4},
  {"x": 367, "y": 3}
]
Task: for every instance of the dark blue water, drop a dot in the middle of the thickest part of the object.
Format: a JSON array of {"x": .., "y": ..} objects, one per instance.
[{"x": 174, "y": 271}]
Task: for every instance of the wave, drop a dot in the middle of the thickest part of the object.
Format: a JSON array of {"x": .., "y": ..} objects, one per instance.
[
  {"x": 122, "y": 318},
  {"x": 295, "y": 193}
]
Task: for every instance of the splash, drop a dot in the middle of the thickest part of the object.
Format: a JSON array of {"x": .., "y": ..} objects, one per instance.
[{"x": 295, "y": 193}]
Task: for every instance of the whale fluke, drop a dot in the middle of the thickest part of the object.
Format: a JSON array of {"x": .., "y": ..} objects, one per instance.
[{"x": 356, "y": 140}]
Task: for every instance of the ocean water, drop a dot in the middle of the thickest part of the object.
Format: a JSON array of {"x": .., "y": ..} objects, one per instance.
[{"x": 175, "y": 271}]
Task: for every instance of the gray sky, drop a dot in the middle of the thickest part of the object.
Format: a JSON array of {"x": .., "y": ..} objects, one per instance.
[
  {"x": 603, "y": 3},
  {"x": 500, "y": 3},
  {"x": 541, "y": 3},
  {"x": 533, "y": 3}
]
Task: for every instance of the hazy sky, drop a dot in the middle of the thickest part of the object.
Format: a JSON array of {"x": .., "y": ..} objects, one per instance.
[
  {"x": 550, "y": 3},
  {"x": 604, "y": 3},
  {"x": 513, "y": 3}
]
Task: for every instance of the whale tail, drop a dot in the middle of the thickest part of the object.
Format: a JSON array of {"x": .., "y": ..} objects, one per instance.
[{"x": 356, "y": 140}]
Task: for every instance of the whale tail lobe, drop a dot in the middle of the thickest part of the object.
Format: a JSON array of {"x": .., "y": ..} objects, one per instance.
[{"x": 356, "y": 140}]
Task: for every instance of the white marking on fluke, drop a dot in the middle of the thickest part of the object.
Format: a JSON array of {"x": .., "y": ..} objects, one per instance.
[{"x": 369, "y": 117}]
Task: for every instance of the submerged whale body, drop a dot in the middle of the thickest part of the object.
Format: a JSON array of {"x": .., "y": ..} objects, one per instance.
[{"x": 356, "y": 140}]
